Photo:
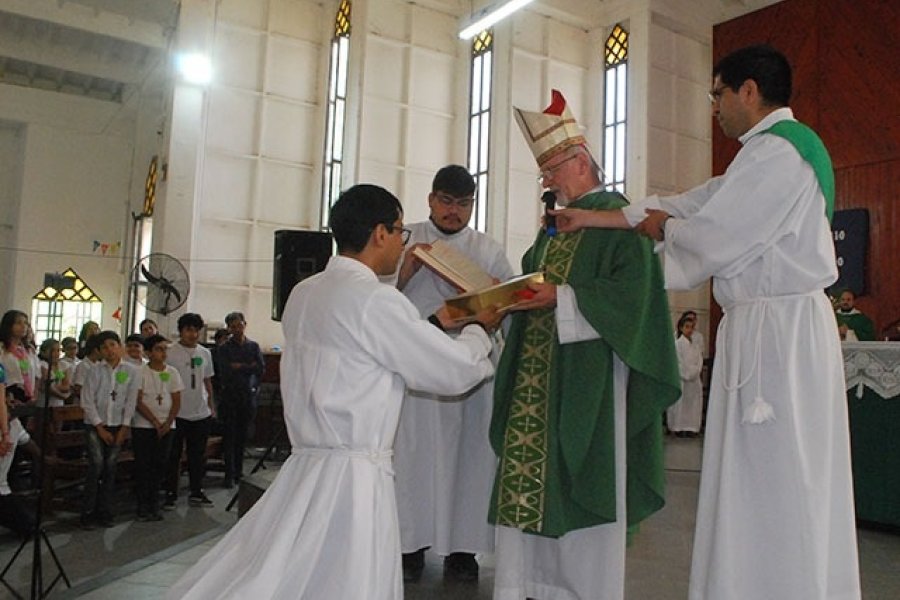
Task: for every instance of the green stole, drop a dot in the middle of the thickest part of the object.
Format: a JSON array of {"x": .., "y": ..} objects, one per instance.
[
  {"x": 861, "y": 325},
  {"x": 553, "y": 421},
  {"x": 813, "y": 151}
]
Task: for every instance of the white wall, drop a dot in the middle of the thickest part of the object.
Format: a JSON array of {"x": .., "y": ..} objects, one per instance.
[
  {"x": 12, "y": 156},
  {"x": 75, "y": 178},
  {"x": 543, "y": 54},
  {"x": 245, "y": 152},
  {"x": 679, "y": 120},
  {"x": 412, "y": 96}
]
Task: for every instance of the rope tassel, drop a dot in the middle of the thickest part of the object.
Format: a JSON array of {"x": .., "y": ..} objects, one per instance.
[{"x": 758, "y": 411}]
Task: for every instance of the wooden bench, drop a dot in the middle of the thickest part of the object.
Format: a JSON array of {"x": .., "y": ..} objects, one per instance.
[
  {"x": 65, "y": 453},
  {"x": 66, "y": 465}
]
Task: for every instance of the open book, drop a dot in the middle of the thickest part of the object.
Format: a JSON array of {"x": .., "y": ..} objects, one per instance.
[
  {"x": 454, "y": 266},
  {"x": 503, "y": 295}
]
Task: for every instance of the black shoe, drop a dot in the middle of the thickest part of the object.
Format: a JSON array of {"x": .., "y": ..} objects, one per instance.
[
  {"x": 87, "y": 523},
  {"x": 199, "y": 500},
  {"x": 169, "y": 503},
  {"x": 154, "y": 516},
  {"x": 413, "y": 565},
  {"x": 105, "y": 521},
  {"x": 228, "y": 483},
  {"x": 461, "y": 566}
]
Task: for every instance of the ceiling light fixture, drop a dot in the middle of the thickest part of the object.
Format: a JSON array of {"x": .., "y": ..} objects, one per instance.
[
  {"x": 195, "y": 68},
  {"x": 489, "y": 15}
]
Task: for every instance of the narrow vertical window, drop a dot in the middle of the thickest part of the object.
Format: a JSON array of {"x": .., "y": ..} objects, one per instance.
[
  {"x": 614, "y": 115},
  {"x": 480, "y": 123},
  {"x": 142, "y": 242},
  {"x": 336, "y": 113}
]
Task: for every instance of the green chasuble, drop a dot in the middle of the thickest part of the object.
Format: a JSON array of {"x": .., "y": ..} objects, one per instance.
[
  {"x": 553, "y": 425},
  {"x": 861, "y": 325}
]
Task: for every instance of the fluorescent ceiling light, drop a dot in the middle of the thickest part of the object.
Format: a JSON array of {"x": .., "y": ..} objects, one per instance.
[
  {"x": 195, "y": 68},
  {"x": 490, "y": 15}
]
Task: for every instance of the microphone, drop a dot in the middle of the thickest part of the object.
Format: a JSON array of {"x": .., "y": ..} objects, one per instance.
[{"x": 549, "y": 200}]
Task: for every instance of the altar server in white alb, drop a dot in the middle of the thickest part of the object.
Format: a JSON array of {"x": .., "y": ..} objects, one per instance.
[
  {"x": 327, "y": 527},
  {"x": 775, "y": 519},
  {"x": 685, "y": 417},
  {"x": 444, "y": 462}
]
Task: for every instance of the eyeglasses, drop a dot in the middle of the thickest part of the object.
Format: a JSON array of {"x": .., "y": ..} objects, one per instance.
[
  {"x": 551, "y": 171},
  {"x": 448, "y": 200},
  {"x": 404, "y": 232},
  {"x": 716, "y": 94}
]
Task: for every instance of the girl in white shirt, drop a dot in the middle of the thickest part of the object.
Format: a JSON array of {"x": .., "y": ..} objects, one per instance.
[{"x": 59, "y": 374}]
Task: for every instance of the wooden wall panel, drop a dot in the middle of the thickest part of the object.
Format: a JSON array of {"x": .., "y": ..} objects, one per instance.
[
  {"x": 876, "y": 187},
  {"x": 846, "y": 62},
  {"x": 859, "y": 74}
]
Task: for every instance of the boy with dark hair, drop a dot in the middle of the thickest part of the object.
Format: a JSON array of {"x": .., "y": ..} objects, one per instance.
[
  {"x": 109, "y": 397},
  {"x": 134, "y": 350},
  {"x": 195, "y": 365},
  {"x": 158, "y": 402}
]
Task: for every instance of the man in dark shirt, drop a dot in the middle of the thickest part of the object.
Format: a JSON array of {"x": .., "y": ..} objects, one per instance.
[{"x": 242, "y": 366}]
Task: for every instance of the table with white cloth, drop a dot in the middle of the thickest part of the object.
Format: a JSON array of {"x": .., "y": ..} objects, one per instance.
[{"x": 873, "y": 396}]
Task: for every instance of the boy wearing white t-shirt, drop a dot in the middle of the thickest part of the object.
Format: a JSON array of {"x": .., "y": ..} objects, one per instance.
[
  {"x": 195, "y": 364},
  {"x": 151, "y": 429}
]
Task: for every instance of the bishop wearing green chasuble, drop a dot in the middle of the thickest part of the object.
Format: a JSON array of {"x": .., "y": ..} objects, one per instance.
[{"x": 588, "y": 369}]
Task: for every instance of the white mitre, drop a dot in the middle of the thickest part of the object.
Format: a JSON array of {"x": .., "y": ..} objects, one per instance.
[{"x": 550, "y": 132}]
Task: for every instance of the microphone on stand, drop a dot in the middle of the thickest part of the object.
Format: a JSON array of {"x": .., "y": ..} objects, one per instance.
[{"x": 549, "y": 200}]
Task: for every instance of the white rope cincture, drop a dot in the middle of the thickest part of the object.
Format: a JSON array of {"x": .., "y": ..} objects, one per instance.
[{"x": 758, "y": 411}]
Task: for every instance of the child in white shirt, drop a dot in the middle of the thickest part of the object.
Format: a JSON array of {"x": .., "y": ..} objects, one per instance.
[{"x": 158, "y": 402}]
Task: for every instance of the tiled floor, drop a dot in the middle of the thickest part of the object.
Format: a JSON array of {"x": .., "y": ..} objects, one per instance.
[{"x": 658, "y": 561}]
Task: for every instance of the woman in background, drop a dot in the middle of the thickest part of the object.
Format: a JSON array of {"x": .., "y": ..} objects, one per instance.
[
  {"x": 685, "y": 417},
  {"x": 58, "y": 373},
  {"x": 88, "y": 330},
  {"x": 18, "y": 360}
]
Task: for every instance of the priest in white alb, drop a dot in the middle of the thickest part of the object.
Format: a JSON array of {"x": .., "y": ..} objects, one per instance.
[
  {"x": 775, "y": 519},
  {"x": 444, "y": 463}
]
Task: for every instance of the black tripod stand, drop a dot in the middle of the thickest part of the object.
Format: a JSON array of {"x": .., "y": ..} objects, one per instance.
[
  {"x": 38, "y": 535},
  {"x": 261, "y": 463}
]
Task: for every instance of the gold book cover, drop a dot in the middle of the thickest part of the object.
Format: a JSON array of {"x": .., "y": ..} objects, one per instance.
[{"x": 503, "y": 295}]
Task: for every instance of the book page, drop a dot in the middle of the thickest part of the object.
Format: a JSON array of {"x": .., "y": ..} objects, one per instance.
[{"x": 454, "y": 266}]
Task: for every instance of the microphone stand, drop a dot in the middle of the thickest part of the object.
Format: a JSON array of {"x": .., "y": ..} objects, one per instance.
[{"x": 38, "y": 534}]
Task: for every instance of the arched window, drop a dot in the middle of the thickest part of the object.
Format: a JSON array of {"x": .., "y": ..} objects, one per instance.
[
  {"x": 614, "y": 115},
  {"x": 58, "y": 313},
  {"x": 480, "y": 123},
  {"x": 336, "y": 114}
]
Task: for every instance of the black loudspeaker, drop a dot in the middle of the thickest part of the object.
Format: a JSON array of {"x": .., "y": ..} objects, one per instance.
[{"x": 298, "y": 254}]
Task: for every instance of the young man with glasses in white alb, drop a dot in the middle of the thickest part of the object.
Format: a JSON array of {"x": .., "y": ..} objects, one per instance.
[{"x": 444, "y": 463}]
